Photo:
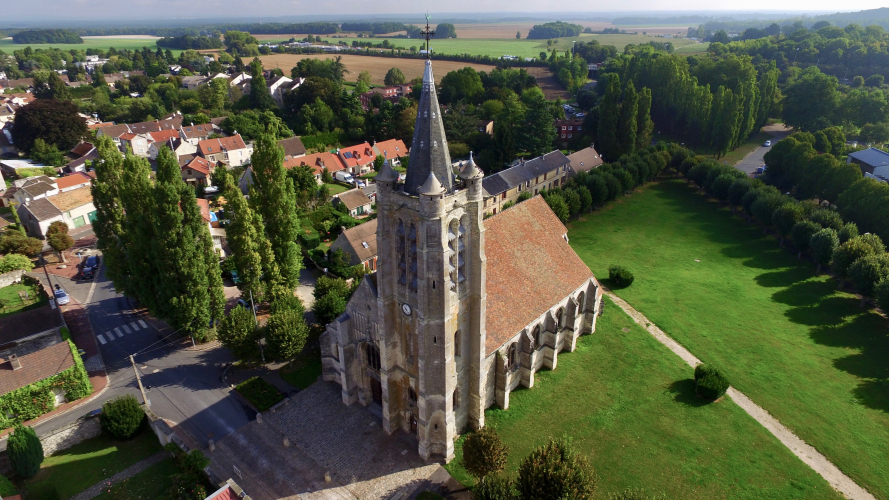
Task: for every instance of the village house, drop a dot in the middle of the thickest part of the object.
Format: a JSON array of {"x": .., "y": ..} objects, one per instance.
[
  {"x": 34, "y": 188},
  {"x": 583, "y": 161},
  {"x": 391, "y": 93},
  {"x": 358, "y": 159},
  {"x": 293, "y": 147},
  {"x": 231, "y": 151},
  {"x": 179, "y": 148},
  {"x": 193, "y": 82},
  {"x": 75, "y": 208},
  {"x": 544, "y": 172},
  {"x": 137, "y": 143},
  {"x": 197, "y": 172},
  {"x": 360, "y": 244},
  {"x": 393, "y": 150},
  {"x": 193, "y": 134},
  {"x": 355, "y": 201},
  {"x": 567, "y": 129},
  {"x": 73, "y": 181}
]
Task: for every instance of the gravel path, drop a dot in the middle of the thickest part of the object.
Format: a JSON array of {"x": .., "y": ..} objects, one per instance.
[
  {"x": 809, "y": 455},
  {"x": 96, "y": 489}
]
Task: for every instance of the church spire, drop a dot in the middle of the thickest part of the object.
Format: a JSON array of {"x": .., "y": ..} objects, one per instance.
[{"x": 429, "y": 149}]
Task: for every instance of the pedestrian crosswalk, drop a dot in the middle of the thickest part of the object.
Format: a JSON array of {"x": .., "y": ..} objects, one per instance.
[{"x": 119, "y": 332}]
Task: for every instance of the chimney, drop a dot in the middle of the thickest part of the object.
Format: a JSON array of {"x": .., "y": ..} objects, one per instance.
[{"x": 14, "y": 361}]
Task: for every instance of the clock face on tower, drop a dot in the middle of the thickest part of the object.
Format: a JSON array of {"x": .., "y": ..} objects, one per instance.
[{"x": 406, "y": 309}]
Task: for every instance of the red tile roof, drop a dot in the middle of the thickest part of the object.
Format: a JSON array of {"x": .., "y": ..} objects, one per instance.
[
  {"x": 199, "y": 164},
  {"x": 204, "y": 205},
  {"x": 100, "y": 125},
  {"x": 75, "y": 179},
  {"x": 212, "y": 146},
  {"x": 393, "y": 148},
  {"x": 357, "y": 156},
  {"x": 129, "y": 136},
  {"x": 225, "y": 493},
  {"x": 35, "y": 366},
  {"x": 163, "y": 135},
  {"x": 530, "y": 268},
  {"x": 82, "y": 149},
  {"x": 317, "y": 161}
]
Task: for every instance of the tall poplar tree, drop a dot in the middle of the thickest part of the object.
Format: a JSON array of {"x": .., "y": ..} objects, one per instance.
[
  {"x": 644, "y": 125},
  {"x": 272, "y": 196},
  {"x": 626, "y": 126},
  {"x": 140, "y": 234},
  {"x": 110, "y": 217},
  {"x": 244, "y": 235},
  {"x": 609, "y": 114},
  {"x": 260, "y": 97}
]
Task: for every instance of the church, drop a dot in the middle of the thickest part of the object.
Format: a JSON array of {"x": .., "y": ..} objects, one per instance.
[{"x": 462, "y": 309}]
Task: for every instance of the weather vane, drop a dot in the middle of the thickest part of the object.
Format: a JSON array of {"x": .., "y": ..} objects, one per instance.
[{"x": 428, "y": 34}]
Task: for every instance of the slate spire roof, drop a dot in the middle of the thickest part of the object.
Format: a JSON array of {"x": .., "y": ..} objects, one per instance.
[{"x": 429, "y": 150}]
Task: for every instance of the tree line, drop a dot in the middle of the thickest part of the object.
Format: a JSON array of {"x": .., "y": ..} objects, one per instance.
[
  {"x": 557, "y": 29},
  {"x": 185, "y": 42},
  {"x": 46, "y": 36}
]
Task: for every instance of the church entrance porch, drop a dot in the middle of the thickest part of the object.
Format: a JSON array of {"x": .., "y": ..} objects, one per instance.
[{"x": 376, "y": 391}]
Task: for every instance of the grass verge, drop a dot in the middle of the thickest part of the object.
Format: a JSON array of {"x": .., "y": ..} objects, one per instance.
[
  {"x": 150, "y": 484},
  {"x": 787, "y": 338},
  {"x": 262, "y": 394},
  {"x": 71, "y": 471},
  {"x": 628, "y": 404}
]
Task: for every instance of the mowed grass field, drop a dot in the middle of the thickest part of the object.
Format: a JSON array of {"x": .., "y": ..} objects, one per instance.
[
  {"x": 787, "y": 338},
  {"x": 98, "y": 42},
  {"x": 377, "y": 66},
  {"x": 628, "y": 404}
]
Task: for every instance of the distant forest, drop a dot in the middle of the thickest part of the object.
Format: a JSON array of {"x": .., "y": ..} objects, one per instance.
[
  {"x": 738, "y": 24},
  {"x": 186, "y": 42},
  {"x": 46, "y": 36},
  {"x": 554, "y": 30}
]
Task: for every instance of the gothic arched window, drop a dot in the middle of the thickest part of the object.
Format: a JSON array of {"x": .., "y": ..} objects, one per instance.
[
  {"x": 373, "y": 356},
  {"x": 457, "y": 343},
  {"x": 513, "y": 354},
  {"x": 560, "y": 316},
  {"x": 580, "y": 302}
]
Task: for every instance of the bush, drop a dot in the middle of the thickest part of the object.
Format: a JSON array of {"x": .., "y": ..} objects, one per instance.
[
  {"x": 7, "y": 489},
  {"x": 634, "y": 494},
  {"x": 309, "y": 241},
  {"x": 881, "y": 293},
  {"x": 620, "y": 276},
  {"x": 484, "y": 453},
  {"x": 25, "y": 452},
  {"x": 710, "y": 382},
  {"x": 262, "y": 394},
  {"x": 493, "y": 488},
  {"x": 846, "y": 254},
  {"x": 554, "y": 470},
  {"x": 121, "y": 416},
  {"x": 867, "y": 271}
]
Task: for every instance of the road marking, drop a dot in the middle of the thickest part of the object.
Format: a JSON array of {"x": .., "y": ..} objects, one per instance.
[
  {"x": 134, "y": 326},
  {"x": 101, "y": 338},
  {"x": 109, "y": 335},
  {"x": 117, "y": 331},
  {"x": 126, "y": 329},
  {"x": 143, "y": 324}
]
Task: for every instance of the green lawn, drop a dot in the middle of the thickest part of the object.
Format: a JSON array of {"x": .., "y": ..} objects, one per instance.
[
  {"x": 8, "y": 46},
  {"x": 305, "y": 370},
  {"x": 787, "y": 338},
  {"x": 732, "y": 157},
  {"x": 73, "y": 470},
  {"x": 151, "y": 484},
  {"x": 11, "y": 302},
  {"x": 336, "y": 188},
  {"x": 628, "y": 404}
]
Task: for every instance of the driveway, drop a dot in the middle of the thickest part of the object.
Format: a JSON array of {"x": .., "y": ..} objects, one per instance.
[{"x": 755, "y": 159}]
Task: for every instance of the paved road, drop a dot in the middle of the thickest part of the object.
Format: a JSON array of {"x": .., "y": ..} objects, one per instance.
[
  {"x": 185, "y": 384},
  {"x": 754, "y": 161}
]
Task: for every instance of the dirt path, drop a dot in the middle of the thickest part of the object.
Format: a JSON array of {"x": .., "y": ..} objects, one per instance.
[{"x": 809, "y": 455}]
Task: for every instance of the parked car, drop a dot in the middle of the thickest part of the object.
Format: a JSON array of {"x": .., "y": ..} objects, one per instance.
[
  {"x": 580, "y": 115},
  {"x": 344, "y": 176},
  {"x": 243, "y": 303},
  {"x": 360, "y": 183},
  {"x": 761, "y": 170},
  {"x": 91, "y": 266},
  {"x": 61, "y": 297},
  {"x": 235, "y": 278},
  {"x": 768, "y": 143}
]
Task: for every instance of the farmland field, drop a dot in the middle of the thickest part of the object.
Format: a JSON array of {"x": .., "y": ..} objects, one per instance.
[
  {"x": 132, "y": 42},
  {"x": 378, "y": 66}
]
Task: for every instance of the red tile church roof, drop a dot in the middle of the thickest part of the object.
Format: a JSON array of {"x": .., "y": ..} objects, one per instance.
[{"x": 530, "y": 268}]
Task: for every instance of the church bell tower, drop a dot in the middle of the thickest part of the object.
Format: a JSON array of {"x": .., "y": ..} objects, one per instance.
[{"x": 431, "y": 288}]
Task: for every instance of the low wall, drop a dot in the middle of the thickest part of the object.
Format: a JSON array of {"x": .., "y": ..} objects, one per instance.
[
  {"x": 69, "y": 435},
  {"x": 11, "y": 277}
]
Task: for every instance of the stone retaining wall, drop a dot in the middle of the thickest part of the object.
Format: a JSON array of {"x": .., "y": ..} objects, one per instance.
[
  {"x": 69, "y": 435},
  {"x": 11, "y": 277}
]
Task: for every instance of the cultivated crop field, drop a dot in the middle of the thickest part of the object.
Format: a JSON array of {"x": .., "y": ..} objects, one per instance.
[
  {"x": 132, "y": 42},
  {"x": 377, "y": 66},
  {"x": 786, "y": 337}
]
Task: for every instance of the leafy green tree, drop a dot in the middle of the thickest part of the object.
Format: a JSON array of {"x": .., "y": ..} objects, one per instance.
[
  {"x": 881, "y": 293},
  {"x": 121, "y": 416},
  {"x": 555, "y": 470},
  {"x": 14, "y": 261},
  {"x": 494, "y": 488},
  {"x": 445, "y": 30},
  {"x": 394, "y": 77},
  {"x": 537, "y": 134},
  {"x": 627, "y": 122},
  {"x": 329, "y": 307},
  {"x": 822, "y": 244},
  {"x": 50, "y": 86},
  {"x": 462, "y": 84},
  {"x": 644, "y": 125},
  {"x": 260, "y": 98},
  {"x": 810, "y": 100},
  {"x": 785, "y": 217},
  {"x": 364, "y": 77},
  {"x": 558, "y": 205},
  {"x": 238, "y": 333},
  {"x": 59, "y": 243},
  {"x": 19, "y": 227},
  {"x": 827, "y": 218},
  {"x": 586, "y": 199},
  {"x": 378, "y": 163},
  {"x": 609, "y": 117},
  {"x": 16, "y": 242},
  {"x": 25, "y": 452},
  {"x": 286, "y": 331},
  {"x": 802, "y": 233},
  {"x": 48, "y": 154},
  {"x": 327, "y": 285},
  {"x": 56, "y": 122},
  {"x": 245, "y": 236},
  {"x": 867, "y": 271},
  {"x": 273, "y": 198},
  {"x": 484, "y": 453},
  {"x": 848, "y": 253},
  {"x": 849, "y": 231}
]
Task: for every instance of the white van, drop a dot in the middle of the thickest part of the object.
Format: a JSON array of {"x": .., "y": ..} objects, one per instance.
[{"x": 344, "y": 176}]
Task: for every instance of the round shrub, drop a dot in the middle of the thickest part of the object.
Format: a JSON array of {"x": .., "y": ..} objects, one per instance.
[
  {"x": 620, "y": 276},
  {"x": 554, "y": 470},
  {"x": 484, "y": 453},
  {"x": 710, "y": 382},
  {"x": 493, "y": 488},
  {"x": 846, "y": 254},
  {"x": 634, "y": 494},
  {"x": 25, "y": 452},
  {"x": 121, "y": 416},
  {"x": 867, "y": 271}
]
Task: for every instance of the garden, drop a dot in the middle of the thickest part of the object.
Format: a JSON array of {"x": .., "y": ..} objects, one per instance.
[
  {"x": 784, "y": 335},
  {"x": 628, "y": 405}
]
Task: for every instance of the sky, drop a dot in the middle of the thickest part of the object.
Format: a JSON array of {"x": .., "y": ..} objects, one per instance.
[{"x": 236, "y": 10}]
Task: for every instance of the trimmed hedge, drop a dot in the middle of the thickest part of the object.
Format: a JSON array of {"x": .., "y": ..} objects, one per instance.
[
  {"x": 710, "y": 382},
  {"x": 620, "y": 276},
  {"x": 122, "y": 416},
  {"x": 31, "y": 401},
  {"x": 262, "y": 394}
]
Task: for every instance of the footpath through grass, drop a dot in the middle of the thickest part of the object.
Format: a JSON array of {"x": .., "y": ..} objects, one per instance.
[
  {"x": 152, "y": 483},
  {"x": 628, "y": 404},
  {"x": 784, "y": 336},
  {"x": 71, "y": 471}
]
